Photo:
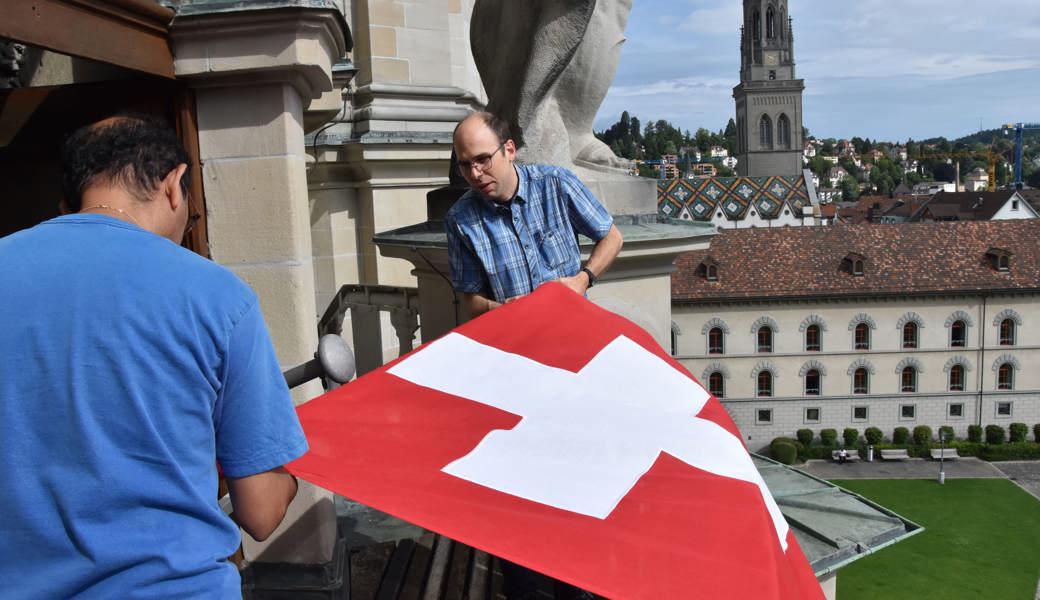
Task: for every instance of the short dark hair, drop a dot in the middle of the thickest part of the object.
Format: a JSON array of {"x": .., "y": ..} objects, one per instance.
[
  {"x": 496, "y": 124},
  {"x": 133, "y": 151}
]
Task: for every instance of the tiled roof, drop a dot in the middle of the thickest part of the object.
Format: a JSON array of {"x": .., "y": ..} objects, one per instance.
[
  {"x": 905, "y": 258},
  {"x": 964, "y": 206},
  {"x": 700, "y": 199}
]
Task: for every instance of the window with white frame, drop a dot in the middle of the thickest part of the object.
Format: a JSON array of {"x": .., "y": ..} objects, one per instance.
[
  {"x": 812, "y": 415},
  {"x": 1004, "y": 409},
  {"x": 955, "y": 410},
  {"x": 764, "y": 416},
  {"x": 860, "y": 413},
  {"x": 907, "y": 412}
]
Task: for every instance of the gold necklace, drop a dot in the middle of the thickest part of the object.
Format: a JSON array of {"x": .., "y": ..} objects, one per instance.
[{"x": 112, "y": 208}]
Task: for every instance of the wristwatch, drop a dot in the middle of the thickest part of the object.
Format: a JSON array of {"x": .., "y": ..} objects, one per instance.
[{"x": 592, "y": 278}]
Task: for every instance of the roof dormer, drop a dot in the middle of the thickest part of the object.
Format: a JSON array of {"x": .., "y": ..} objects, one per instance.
[
  {"x": 708, "y": 269},
  {"x": 854, "y": 264},
  {"x": 999, "y": 259}
]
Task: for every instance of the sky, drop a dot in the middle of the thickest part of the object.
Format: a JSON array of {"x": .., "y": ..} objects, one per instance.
[{"x": 880, "y": 69}]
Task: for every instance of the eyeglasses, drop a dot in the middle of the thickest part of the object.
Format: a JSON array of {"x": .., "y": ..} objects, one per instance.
[
  {"x": 481, "y": 162},
  {"x": 193, "y": 217}
]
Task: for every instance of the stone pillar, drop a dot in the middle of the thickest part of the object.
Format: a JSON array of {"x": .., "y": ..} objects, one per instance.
[{"x": 255, "y": 71}]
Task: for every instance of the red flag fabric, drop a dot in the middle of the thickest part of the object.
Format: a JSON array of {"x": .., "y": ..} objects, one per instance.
[{"x": 560, "y": 436}]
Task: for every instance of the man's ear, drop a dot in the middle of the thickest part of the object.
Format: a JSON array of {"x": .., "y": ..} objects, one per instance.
[
  {"x": 171, "y": 186},
  {"x": 509, "y": 149}
]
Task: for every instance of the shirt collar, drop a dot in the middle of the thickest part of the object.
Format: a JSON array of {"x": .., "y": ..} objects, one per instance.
[{"x": 493, "y": 207}]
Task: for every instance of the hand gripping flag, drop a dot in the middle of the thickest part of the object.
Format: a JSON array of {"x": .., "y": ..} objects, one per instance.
[{"x": 560, "y": 436}]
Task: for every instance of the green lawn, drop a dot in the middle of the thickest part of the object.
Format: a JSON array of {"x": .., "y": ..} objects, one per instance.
[{"x": 981, "y": 540}]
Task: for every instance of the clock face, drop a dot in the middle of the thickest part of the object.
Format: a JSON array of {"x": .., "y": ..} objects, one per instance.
[{"x": 772, "y": 58}]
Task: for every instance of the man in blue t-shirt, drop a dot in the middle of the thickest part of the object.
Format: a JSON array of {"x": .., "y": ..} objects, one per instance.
[
  {"x": 517, "y": 226},
  {"x": 131, "y": 367}
]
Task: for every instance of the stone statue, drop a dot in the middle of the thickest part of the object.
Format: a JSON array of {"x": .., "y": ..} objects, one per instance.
[{"x": 546, "y": 66}]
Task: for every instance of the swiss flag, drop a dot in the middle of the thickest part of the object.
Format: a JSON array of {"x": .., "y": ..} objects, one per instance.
[{"x": 560, "y": 436}]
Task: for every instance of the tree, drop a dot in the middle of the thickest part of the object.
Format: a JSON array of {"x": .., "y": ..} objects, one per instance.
[{"x": 849, "y": 189}]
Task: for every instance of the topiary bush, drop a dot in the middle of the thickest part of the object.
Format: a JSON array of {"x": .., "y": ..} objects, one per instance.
[
  {"x": 873, "y": 436},
  {"x": 975, "y": 434},
  {"x": 1036, "y": 433},
  {"x": 1017, "y": 432},
  {"x": 922, "y": 435},
  {"x": 805, "y": 436},
  {"x": 995, "y": 434},
  {"x": 783, "y": 451},
  {"x": 850, "y": 436},
  {"x": 900, "y": 435},
  {"x": 828, "y": 436}
]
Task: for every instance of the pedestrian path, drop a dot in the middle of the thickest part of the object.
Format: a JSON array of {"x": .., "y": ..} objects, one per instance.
[{"x": 914, "y": 468}]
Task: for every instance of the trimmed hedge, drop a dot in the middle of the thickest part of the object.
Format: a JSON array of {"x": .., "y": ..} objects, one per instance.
[
  {"x": 1017, "y": 432},
  {"x": 922, "y": 435},
  {"x": 995, "y": 434},
  {"x": 900, "y": 435},
  {"x": 1036, "y": 433},
  {"x": 805, "y": 436},
  {"x": 1013, "y": 451},
  {"x": 828, "y": 436},
  {"x": 975, "y": 433},
  {"x": 873, "y": 436},
  {"x": 850, "y": 435},
  {"x": 783, "y": 451},
  {"x": 947, "y": 432}
]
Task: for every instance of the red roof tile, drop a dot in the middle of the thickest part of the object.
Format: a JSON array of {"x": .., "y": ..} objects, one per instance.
[{"x": 904, "y": 258}]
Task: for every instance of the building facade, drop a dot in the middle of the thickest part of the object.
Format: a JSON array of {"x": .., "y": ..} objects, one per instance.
[
  {"x": 865, "y": 326},
  {"x": 769, "y": 96}
]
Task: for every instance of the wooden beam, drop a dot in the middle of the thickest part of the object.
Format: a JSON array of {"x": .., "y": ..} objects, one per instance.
[{"x": 127, "y": 33}]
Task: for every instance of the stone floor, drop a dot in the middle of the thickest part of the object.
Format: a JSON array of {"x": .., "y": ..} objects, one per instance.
[{"x": 1026, "y": 473}]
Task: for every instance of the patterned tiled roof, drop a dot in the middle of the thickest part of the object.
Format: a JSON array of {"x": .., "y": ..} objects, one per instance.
[
  {"x": 901, "y": 259},
  {"x": 699, "y": 199}
]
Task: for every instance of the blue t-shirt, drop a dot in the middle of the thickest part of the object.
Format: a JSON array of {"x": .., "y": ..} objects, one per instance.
[
  {"x": 503, "y": 251},
  {"x": 129, "y": 367}
]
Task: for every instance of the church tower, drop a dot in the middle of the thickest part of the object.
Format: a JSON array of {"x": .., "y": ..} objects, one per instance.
[{"x": 769, "y": 97}]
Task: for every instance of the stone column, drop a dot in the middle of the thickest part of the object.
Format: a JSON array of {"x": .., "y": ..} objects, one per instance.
[{"x": 255, "y": 70}]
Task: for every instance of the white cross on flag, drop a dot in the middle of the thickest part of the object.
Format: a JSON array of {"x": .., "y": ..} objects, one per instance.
[{"x": 555, "y": 434}]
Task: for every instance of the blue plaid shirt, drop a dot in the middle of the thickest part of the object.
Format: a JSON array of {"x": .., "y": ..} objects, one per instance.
[{"x": 502, "y": 251}]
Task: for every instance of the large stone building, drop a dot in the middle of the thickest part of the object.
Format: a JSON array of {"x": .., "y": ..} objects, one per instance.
[
  {"x": 769, "y": 96},
  {"x": 865, "y": 325}
]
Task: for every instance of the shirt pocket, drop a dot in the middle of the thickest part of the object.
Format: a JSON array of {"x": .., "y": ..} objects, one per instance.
[{"x": 556, "y": 249}]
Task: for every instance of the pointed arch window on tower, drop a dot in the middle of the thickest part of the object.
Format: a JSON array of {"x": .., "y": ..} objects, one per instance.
[
  {"x": 783, "y": 132},
  {"x": 765, "y": 133},
  {"x": 756, "y": 26},
  {"x": 770, "y": 23}
]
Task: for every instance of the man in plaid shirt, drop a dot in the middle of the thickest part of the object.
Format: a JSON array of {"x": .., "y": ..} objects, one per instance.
[{"x": 518, "y": 226}]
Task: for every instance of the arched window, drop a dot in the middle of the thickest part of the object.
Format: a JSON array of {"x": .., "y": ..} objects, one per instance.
[
  {"x": 783, "y": 132},
  {"x": 909, "y": 380},
  {"x": 861, "y": 337},
  {"x": 765, "y": 339},
  {"x": 712, "y": 273},
  {"x": 812, "y": 338},
  {"x": 812, "y": 383},
  {"x": 958, "y": 334},
  {"x": 1007, "y": 332},
  {"x": 765, "y": 384},
  {"x": 765, "y": 133},
  {"x": 957, "y": 378},
  {"x": 715, "y": 341},
  {"x": 1006, "y": 377},
  {"x": 860, "y": 381},
  {"x": 756, "y": 26},
  {"x": 717, "y": 385},
  {"x": 910, "y": 335},
  {"x": 770, "y": 23}
]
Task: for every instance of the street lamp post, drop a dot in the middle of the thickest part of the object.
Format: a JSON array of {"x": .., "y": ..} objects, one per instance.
[{"x": 942, "y": 453}]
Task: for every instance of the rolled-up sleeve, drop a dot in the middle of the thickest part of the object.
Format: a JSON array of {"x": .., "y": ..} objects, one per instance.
[{"x": 588, "y": 215}]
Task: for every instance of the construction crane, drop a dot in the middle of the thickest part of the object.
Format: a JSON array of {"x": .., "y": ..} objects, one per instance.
[{"x": 1019, "y": 129}]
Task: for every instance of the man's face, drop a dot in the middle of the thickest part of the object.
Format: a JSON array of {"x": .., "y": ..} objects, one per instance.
[{"x": 484, "y": 162}]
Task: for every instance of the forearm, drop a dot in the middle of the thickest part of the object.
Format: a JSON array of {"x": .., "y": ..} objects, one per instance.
[
  {"x": 605, "y": 251},
  {"x": 478, "y": 304}
]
